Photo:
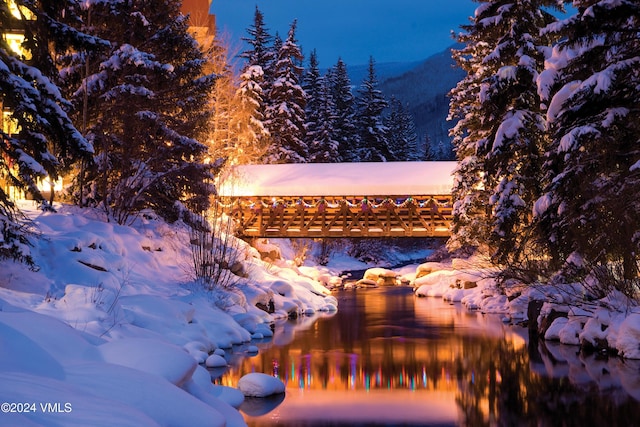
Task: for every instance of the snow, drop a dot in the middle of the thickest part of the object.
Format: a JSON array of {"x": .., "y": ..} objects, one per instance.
[
  {"x": 152, "y": 356},
  {"x": 612, "y": 114},
  {"x": 340, "y": 179},
  {"x": 509, "y": 128},
  {"x": 257, "y": 384},
  {"x": 556, "y": 106},
  {"x": 112, "y": 327},
  {"x": 568, "y": 142},
  {"x": 128, "y": 343},
  {"x": 628, "y": 337}
]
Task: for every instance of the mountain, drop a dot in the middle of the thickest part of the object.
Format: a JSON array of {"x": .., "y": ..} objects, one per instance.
[
  {"x": 384, "y": 71},
  {"x": 424, "y": 88}
]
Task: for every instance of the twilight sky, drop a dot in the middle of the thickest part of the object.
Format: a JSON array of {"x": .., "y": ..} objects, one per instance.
[{"x": 388, "y": 30}]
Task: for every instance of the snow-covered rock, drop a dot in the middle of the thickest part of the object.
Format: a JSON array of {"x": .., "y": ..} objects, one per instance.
[
  {"x": 257, "y": 384},
  {"x": 381, "y": 276},
  {"x": 215, "y": 361},
  {"x": 628, "y": 337},
  {"x": 553, "y": 332}
]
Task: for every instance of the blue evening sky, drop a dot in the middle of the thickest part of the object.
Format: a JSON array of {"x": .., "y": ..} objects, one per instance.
[{"x": 388, "y": 30}]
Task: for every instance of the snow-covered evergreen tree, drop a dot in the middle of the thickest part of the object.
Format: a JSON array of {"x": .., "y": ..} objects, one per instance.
[
  {"x": 443, "y": 151},
  {"x": 374, "y": 146},
  {"x": 148, "y": 108},
  {"x": 470, "y": 225},
  {"x": 312, "y": 85},
  {"x": 262, "y": 54},
  {"x": 285, "y": 115},
  {"x": 277, "y": 45},
  {"x": 499, "y": 138},
  {"x": 401, "y": 132},
  {"x": 46, "y": 139},
  {"x": 592, "y": 87},
  {"x": 515, "y": 140},
  {"x": 344, "y": 125},
  {"x": 250, "y": 133},
  {"x": 323, "y": 148}
]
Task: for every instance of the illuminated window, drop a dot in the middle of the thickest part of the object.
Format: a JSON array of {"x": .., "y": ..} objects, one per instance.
[
  {"x": 9, "y": 125},
  {"x": 15, "y": 44},
  {"x": 15, "y": 11},
  {"x": 15, "y": 38}
]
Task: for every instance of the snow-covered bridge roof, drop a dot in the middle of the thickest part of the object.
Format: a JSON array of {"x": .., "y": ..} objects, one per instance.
[{"x": 340, "y": 179}]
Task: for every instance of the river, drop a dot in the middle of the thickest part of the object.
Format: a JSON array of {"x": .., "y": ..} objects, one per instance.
[{"x": 389, "y": 358}]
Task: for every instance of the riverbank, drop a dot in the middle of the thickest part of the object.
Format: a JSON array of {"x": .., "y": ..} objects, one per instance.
[
  {"x": 110, "y": 327},
  {"x": 559, "y": 313}
]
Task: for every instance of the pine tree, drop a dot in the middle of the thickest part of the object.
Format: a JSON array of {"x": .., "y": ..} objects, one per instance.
[
  {"x": 429, "y": 150},
  {"x": 443, "y": 151},
  {"x": 401, "y": 132},
  {"x": 325, "y": 146},
  {"x": 46, "y": 139},
  {"x": 500, "y": 136},
  {"x": 592, "y": 87},
  {"x": 285, "y": 116},
  {"x": 344, "y": 128},
  {"x": 312, "y": 85},
  {"x": 374, "y": 146},
  {"x": 514, "y": 122},
  {"x": 261, "y": 54},
  {"x": 251, "y": 135},
  {"x": 148, "y": 106}
]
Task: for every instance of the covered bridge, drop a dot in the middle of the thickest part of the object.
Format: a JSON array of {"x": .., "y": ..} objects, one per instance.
[{"x": 392, "y": 199}]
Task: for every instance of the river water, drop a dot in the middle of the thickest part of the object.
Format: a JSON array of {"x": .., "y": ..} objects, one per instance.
[{"x": 389, "y": 358}]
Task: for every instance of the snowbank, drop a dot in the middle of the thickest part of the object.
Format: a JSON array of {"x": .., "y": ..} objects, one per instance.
[
  {"x": 111, "y": 329},
  {"x": 612, "y": 323}
]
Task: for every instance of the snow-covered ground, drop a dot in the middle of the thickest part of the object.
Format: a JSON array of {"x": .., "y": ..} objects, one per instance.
[{"x": 111, "y": 328}]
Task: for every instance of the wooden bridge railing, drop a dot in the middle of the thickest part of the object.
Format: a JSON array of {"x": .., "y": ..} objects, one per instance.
[{"x": 339, "y": 216}]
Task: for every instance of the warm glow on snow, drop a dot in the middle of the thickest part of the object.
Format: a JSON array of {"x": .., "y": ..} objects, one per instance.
[{"x": 340, "y": 179}]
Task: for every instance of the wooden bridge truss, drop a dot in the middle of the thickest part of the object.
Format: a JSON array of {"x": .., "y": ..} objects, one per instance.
[{"x": 340, "y": 216}]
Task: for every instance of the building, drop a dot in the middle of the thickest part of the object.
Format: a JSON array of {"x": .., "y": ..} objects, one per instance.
[
  {"x": 201, "y": 21},
  {"x": 14, "y": 36}
]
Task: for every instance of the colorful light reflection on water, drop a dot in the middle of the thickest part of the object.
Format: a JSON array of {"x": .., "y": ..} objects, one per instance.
[{"x": 389, "y": 358}]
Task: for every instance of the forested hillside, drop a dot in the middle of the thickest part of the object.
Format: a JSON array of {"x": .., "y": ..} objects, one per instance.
[{"x": 424, "y": 88}]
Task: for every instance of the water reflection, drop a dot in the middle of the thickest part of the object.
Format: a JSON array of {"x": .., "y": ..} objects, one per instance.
[{"x": 388, "y": 358}]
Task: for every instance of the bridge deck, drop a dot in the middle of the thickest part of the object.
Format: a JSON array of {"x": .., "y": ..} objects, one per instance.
[{"x": 339, "y": 216}]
